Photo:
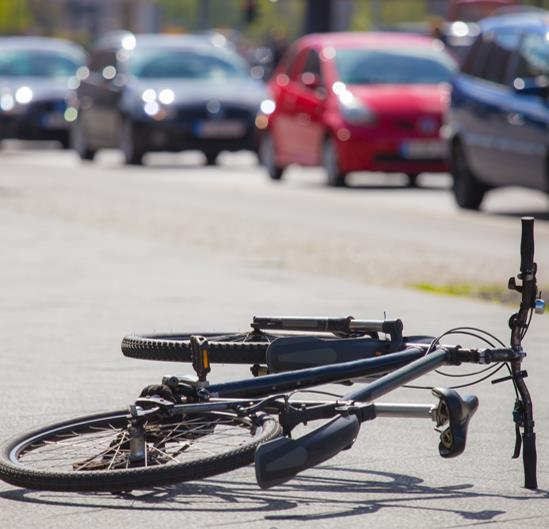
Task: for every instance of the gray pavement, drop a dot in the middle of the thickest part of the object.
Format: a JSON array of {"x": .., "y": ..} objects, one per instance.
[{"x": 73, "y": 284}]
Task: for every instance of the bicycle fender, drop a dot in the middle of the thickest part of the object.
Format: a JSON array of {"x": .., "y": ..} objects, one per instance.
[{"x": 282, "y": 459}]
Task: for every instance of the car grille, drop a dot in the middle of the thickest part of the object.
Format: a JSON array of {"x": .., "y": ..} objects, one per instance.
[
  {"x": 189, "y": 114},
  {"x": 422, "y": 124},
  {"x": 45, "y": 107}
]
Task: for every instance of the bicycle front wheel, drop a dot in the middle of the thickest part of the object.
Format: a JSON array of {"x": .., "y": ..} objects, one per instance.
[
  {"x": 225, "y": 348},
  {"x": 93, "y": 453}
]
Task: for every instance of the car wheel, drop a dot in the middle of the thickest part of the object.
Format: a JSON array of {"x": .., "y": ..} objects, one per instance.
[
  {"x": 65, "y": 141},
  {"x": 468, "y": 191},
  {"x": 79, "y": 142},
  {"x": 412, "y": 179},
  {"x": 211, "y": 158},
  {"x": 330, "y": 162},
  {"x": 267, "y": 157},
  {"x": 129, "y": 144}
]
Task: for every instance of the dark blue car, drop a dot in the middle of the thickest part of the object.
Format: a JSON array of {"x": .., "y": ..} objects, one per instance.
[{"x": 498, "y": 123}]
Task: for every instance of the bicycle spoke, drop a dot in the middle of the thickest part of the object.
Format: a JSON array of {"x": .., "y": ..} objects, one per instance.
[{"x": 106, "y": 446}]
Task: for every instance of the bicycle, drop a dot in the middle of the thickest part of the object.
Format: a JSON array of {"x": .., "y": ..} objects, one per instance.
[{"x": 187, "y": 428}]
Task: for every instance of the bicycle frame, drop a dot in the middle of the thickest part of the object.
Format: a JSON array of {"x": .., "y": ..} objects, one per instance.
[{"x": 275, "y": 463}]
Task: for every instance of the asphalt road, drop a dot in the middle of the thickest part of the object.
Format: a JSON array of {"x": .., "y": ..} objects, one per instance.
[{"x": 93, "y": 252}]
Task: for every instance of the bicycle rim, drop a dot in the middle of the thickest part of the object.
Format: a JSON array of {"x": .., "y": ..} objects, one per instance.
[{"x": 92, "y": 453}]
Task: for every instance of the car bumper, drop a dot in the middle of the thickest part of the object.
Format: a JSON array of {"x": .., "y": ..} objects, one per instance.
[
  {"x": 38, "y": 121},
  {"x": 381, "y": 151},
  {"x": 174, "y": 136}
]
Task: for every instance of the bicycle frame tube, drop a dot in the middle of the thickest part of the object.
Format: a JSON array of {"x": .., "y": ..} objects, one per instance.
[
  {"x": 305, "y": 378},
  {"x": 401, "y": 376}
]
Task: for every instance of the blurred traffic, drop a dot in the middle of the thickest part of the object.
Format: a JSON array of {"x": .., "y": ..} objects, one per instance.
[
  {"x": 358, "y": 102},
  {"x": 462, "y": 87},
  {"x": 164, "y": 93},
  {"x": 35, "y": 81}
]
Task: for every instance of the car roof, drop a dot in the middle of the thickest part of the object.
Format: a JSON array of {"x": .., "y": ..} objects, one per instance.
[
  {"x": 377, "y": 39},
  {"x": 531, "y": 20},
  {"x": 41, "y": 43},
  {"x": 114, "y": 40}
]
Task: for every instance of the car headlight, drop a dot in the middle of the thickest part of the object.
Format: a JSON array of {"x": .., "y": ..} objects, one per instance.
[
  {"x": 267, "y": 107},
  {"x": 149, "y": 95},
  {"x": 158, "y": 105},
  {"x": 354, "y": 111},
  {"x": 158, "y": 112},
  {"x": 6, "y": 102},
  {"x": 23, "y": 95}
]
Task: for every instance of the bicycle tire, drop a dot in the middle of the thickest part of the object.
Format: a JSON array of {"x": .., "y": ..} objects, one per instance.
[
  {"x": 24, "y": 458},
  {"x": 225, "y": 348}
]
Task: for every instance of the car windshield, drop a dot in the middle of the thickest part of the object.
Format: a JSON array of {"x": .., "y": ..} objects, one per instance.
[
  {"x": 473, "y": 12},
  {"x": 185, "y": 64},
  {"x": 393, "y": 66},
  {"x": 36, "y": 63}
]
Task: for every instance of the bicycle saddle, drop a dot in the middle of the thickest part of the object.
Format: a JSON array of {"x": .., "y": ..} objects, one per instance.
[{"x": 457, "y": 411}]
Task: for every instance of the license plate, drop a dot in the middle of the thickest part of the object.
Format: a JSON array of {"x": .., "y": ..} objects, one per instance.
[
  {"x": 423, "y": 149},
  {"x": 220, "y": 129},
  {"x": 53, "y": 120}
]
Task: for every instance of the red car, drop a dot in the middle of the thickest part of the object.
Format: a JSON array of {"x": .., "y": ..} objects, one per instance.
[{"x": 357, "y": 102}]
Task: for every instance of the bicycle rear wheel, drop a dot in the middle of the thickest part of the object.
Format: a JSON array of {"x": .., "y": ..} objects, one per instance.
[
  {"x": 225, "y": 348},
  {"x": 92, "y": 453}
]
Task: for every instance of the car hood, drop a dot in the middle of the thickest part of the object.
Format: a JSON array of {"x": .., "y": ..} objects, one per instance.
[
  {"x": 245, "y": 92},
  {"x": 42, "y": 89},
  {"x": 398, "y": 99}
]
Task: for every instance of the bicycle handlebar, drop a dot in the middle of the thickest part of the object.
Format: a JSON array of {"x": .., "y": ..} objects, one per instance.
[{"x": 527, "y": 246}]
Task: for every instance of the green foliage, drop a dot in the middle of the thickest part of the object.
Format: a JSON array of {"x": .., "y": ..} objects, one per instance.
[
  {"x": 283, "y": 19},
  {"x": 15, "y": 16},
  {"x": 484, "y": 292},
  {"x": 395, "y": 11},
  {"x": 179, "y": 13}
]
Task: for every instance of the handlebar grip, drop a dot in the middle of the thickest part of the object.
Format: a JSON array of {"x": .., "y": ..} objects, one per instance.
[
  {"x": 527, "y": 244},
  {"x": 284, "y": 323}
]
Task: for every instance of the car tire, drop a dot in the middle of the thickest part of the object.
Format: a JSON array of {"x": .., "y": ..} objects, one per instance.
[
  {"x": 412, "y": 179},
  {"x": 130, "y": 146},
  {"x": 79, "y": 142},
  {"x": 330, "y": 162},
  {"x": 267, "y": 157},
  {"x": 468, "y": 190},
  {"x": 211, "y": 158},
  {"x": 65, "y": 141}
]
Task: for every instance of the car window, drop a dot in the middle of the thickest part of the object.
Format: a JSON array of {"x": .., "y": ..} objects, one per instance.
[
  {"x": 475, "y": 61},
  {"x": 165, "y": 63},
  {"x": 503, "y": 44},
  {"x": 311, "y": 68},
  {"x": 393, "y": 66},
  {"x": 533, "y": 56},
  {"x": 289, "y": 61},
  {"x": 296, "y": 68},
  {"x": 36, "y": 63},
  {"x": 312, "y": 63}
]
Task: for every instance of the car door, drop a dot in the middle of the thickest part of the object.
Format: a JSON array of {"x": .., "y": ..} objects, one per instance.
[
  {"x": 284, "y": 125},
  {"x": 310, "y": 94},
  {"x": 486, "y": 134},
  {"x": 525, "y": 114},
  {"x": 298, "y": 127}
]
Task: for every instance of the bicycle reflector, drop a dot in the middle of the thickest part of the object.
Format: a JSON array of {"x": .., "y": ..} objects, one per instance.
[{"x": 280, "y": 460}]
